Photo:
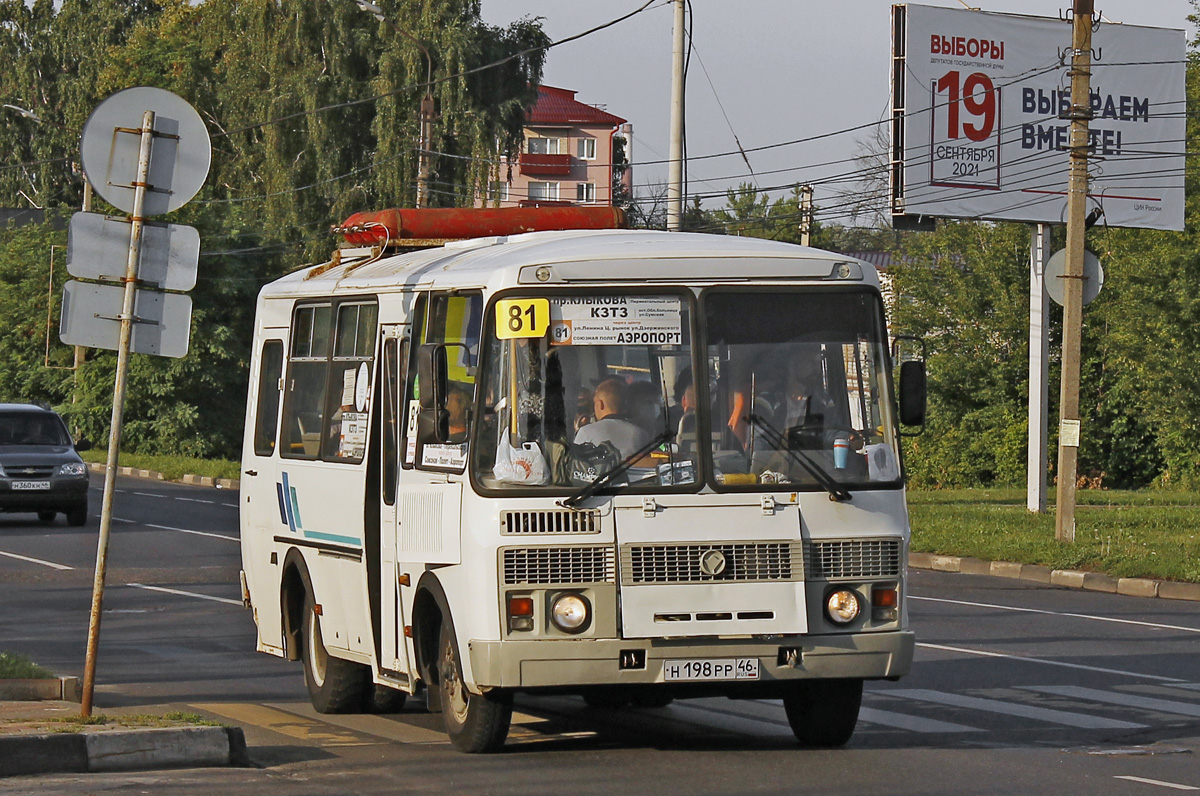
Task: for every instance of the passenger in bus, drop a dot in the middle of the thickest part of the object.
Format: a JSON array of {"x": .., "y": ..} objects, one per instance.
[
  {"x": 457, "y": 402},
  {"x": 611, "y": 425},
  {"x": 645, "y": 402}
]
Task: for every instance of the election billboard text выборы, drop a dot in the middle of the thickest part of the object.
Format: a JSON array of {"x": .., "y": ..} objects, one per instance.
[{"x": 981, "y": 127}]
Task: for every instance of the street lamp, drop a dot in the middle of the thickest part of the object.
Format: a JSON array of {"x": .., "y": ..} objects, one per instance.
[{"x": 427, "y": 105}]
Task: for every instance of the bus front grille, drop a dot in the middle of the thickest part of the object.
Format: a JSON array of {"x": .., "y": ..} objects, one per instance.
[
  {"x": 852, "y": 559},
  {"x": 553, "y": 521},
  {"x": 711, "y": 562},
  {"x": 558, "y": 565}
]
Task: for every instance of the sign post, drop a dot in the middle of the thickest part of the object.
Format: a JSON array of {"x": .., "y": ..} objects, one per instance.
[{"x": 172, "y": 157}]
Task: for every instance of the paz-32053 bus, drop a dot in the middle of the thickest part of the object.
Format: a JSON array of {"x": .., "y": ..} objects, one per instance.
[{"x": 634, "y": 466}]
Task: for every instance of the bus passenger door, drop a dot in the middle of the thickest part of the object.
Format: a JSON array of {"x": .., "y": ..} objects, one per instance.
[{"x": 393, "y": 650}]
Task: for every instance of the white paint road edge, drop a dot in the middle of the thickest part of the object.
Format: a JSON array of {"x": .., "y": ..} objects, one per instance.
[
  {"x": 1159, "y": 782},
  {"x": 1156, "y": 625},
  {"x": 1064, "y": 664}
]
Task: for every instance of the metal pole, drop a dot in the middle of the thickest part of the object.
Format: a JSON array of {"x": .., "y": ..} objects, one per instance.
[
  {"x": 675, "y": 155},
  {"x": 1039, "y": 370},
  {"x": 1068, "y": 427},
  {"x": 806, "y": 215},
  {"x": 114, "y": 437},
  {"x": 427, "y": 114}
]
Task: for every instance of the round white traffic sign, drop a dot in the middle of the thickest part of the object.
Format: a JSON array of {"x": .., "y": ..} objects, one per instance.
[
  {"x": 1093, "y": 276},
  {"x": 179, "y": 157}
]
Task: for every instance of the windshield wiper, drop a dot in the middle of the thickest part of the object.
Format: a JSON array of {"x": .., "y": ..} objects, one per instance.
[
  {"x": 587, "y": 490},
  {"x": 779, "y": 442}
]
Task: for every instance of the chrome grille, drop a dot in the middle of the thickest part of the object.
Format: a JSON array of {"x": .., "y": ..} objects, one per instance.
[
  {"x": 539, "y": 522},
  {"x": 750, "y": 561},
  {"x": 551, "y": 565},
  {"x": 856, "y": 559}
]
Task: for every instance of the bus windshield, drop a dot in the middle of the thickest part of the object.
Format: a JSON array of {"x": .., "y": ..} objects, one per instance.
[
  {"x": 793, "y": 392},
  {"x": 574, "y": 385},
  {"x": 798, "y": 389}
]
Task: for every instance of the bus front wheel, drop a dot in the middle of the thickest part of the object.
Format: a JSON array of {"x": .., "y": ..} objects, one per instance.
[
  {"x": 334, "y": 685},
  {"x": 823, "y": 712},
  {"x": 475, "y": 722}
]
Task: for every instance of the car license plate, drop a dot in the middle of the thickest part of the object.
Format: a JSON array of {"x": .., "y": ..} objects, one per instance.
[
  {"x": 30, "y": 484},
  {"x": 711, "y": 669}
]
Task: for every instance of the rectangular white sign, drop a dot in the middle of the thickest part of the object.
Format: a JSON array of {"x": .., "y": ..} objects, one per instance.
[
  {"x": 981, "y": 104},
  {"x": 616, "y": 320}
]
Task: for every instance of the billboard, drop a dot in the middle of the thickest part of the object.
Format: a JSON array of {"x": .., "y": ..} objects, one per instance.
[{"x": 980, "y": 124}]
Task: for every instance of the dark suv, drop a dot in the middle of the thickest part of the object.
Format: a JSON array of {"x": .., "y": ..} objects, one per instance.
[{"x": 39, "y": 467}]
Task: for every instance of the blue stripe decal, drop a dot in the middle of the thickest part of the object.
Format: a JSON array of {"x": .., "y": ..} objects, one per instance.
[
  {"x": 287, "y": 500},
  {"x": 282, "y": 503},
  {"x": 333, "y": 537},
  {"x": 296, "y": 510}
]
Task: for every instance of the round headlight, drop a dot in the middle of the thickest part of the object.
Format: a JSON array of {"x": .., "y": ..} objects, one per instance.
[
  {"x": 73, "y": 468},
  {"x": 570, "y": 613},
  {"x": 842, "y": 607}
]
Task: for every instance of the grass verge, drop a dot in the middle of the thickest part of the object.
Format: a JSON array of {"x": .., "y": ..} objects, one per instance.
[
  {"x": 1141, "y": 534},
  {"x": 100, "y": 722},
  {"x": 173, "y": 467},
  {"x": 18, "y": 667}
]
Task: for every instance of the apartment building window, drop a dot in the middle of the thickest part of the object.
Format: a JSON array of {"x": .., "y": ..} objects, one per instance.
[
  {"x": 543, "y": 146},
  {"x": 585, "y": 192},
  {"x": 587, "y": 148},
  {"x": 543, "y": 191},
  {"x": 498, "y": 192}
]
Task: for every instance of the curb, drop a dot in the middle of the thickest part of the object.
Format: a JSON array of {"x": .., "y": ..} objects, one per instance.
[
  {"x": 132, "y": 750},
  {"x": 67, "y": 689},
  {"x": 190, "y": 478},
  {"x": 1067, "y": 578}
]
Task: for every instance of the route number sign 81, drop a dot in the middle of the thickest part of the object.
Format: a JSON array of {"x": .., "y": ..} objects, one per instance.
[
  {"x": 965, "y": 138},
  {"x": 517, "y": 318}
]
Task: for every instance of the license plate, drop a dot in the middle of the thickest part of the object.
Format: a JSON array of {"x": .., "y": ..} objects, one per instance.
[
  {"x": 711, "y": 669},
  {"x": 30, "y": 484}
]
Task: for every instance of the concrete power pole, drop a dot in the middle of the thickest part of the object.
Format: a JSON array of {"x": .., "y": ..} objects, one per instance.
[
  {"x": 806, "y": 215},
  {"x": 1077, "y": 194},
  {"x": 675, "y": 156}
]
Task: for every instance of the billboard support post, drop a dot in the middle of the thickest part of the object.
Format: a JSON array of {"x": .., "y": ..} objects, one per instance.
[
  {"x": 1039, "y": 368},
  {"x": 1081, "y": 113}
]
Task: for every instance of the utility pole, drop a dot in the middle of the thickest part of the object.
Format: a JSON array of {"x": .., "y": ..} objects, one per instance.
[
  {"x": 1077, "y": 190},
  {"x": 675, "y": 155},
  {"x": 806, "y": 215}
]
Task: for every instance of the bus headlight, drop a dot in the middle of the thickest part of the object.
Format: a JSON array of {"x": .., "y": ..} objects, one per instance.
[
  {"x": 571, "y": 613},
  {"x": 842, "y": 606}
]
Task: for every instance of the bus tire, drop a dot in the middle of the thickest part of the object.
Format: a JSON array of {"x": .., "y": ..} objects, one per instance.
[
  {"x": 822, "y": 713},
  {"x": 334, "y": 685},
  {"x": 385, "y": 699},
  {"x": 474, "y": 722}
]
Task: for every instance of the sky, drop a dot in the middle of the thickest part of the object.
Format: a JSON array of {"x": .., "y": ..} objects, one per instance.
[{"x": 765, "y": 71}]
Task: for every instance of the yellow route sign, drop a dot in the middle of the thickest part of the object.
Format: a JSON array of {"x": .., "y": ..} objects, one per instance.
[{"x": 524, "y": 317}]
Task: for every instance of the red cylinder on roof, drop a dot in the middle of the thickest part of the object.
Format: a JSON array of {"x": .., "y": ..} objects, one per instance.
[{"x": 380, "y": 226}]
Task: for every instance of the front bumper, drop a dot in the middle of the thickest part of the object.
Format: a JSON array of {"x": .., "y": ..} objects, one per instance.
[
  {"x": 580, "y": 663},
  {"x": 65, "y": 492}
]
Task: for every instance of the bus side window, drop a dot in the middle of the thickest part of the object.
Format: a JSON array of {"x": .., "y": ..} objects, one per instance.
[
  {"x": 308, "y": 366},
  {"x": 266, "y": 417}
]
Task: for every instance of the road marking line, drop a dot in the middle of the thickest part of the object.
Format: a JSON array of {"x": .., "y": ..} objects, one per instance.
[
  {"x": 1117, "y": 698},
  {"x": 288, "y": 724},
  {"x": 185, "y": 593},
  {"x": 1159, "y": 782},
  {"x": 903, "y": 721},
  {"x": 1063, "y": 717},
  {"x": 197, "y": 500},
  {"x": 149, "y": 494},
  {"x": 1156, "y": 625},
  {"x": 50, "y": 564},
  {"x": 1064, "y": 664},
  {"x": 179, "y": 530}
]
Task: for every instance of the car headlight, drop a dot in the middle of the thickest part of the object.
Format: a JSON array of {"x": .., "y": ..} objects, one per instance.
[
  {"x": 2, "y": 473},
  {"x": 73, "y": 468},
  {"x": 842, "y": 606},
  {"x": 570, "y": 613}
]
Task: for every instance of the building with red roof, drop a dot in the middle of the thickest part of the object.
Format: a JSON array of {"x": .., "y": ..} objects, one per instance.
[{"x": 566, "y": 158}]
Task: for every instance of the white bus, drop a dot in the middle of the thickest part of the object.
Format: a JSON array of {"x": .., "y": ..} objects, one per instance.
[{"x": 633, "y": 466}]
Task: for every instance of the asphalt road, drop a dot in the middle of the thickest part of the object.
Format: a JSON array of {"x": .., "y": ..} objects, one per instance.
[{"x": 1017, "y": 688}]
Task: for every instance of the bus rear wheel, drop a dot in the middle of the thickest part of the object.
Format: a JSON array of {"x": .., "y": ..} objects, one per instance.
[
  {"x": 822, "y": 713},
  {"x": 334, "y": 685},
  {"x": 475, "y": 722}
]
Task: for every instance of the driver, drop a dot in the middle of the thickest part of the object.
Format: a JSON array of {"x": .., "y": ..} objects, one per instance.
[
  {"x": 608, "y": 403},
  {"x": 805, "y": 405}
]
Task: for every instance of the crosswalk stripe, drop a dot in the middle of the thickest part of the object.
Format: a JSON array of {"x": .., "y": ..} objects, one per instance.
[
  {"x": 1117, "y": 698},
  {"x": 284, "y": 722},
  {"x": 902, "y": 721},
  {"x": 1063, "y": 717}
]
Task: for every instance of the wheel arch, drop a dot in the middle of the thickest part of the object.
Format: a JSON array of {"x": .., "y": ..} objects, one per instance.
[
  {"x": 293, "y": 586},
  {"x": 430, "y": 610}
]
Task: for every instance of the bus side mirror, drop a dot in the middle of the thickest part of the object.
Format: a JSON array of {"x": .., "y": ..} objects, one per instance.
[
  {"x": 912, "y": 393},
  {"x": 433, "y": 423}
]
